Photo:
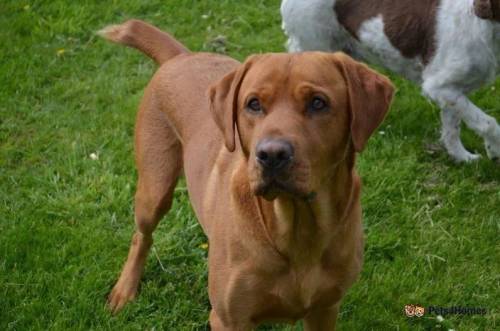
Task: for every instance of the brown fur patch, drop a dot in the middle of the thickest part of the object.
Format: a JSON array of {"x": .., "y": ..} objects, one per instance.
[
  {"x": 495, "y": 7},
  {"x": 410, "y": 25}
]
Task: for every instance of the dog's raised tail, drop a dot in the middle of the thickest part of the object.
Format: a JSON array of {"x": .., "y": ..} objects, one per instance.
[{"x": 158, "y": 45}]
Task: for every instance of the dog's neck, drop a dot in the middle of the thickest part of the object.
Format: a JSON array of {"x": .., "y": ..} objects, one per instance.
[{"x": 301, "y": 229}]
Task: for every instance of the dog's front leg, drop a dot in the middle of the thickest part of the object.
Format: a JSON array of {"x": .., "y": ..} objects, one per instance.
[
  {"x": 322, "y": 319},
  {"x": 216, "y": 324}
]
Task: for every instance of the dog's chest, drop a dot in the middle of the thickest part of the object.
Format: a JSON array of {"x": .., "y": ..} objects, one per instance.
[
  {"x": 296, "y": 293},
  {"x": 308, "y": 287}
]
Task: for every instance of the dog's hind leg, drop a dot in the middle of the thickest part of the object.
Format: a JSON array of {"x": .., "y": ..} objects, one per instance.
[
  {"x": 159, "y": 162},
  {"x": 448, "y": 99},
  {"x": 484, "y": 125},
  {"x": 450, "y": 136},
  {"x": 456, "y": 106}
]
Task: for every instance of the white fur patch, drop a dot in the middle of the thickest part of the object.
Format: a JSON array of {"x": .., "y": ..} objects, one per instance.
[
  {"x": 311, "y": 25},
  {"x": 375, "y": 47}
]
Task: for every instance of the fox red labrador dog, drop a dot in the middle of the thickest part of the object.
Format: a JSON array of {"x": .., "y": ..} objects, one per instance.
[{"x": 268, "y": 149}]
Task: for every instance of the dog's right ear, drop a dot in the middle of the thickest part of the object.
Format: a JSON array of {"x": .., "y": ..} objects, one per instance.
[
  {"x": 483, "y": 9},
  {"x": 224, "y": 102}
]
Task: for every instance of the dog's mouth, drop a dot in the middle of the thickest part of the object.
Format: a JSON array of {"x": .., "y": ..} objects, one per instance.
[
  {"x": 291, "y": 181},
  {"x": 271, "y": 188}
]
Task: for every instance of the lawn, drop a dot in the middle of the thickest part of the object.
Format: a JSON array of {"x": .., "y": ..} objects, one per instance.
[{"x": 67, "y": 107}]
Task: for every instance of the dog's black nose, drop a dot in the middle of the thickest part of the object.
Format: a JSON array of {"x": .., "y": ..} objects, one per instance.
[{"x": 274, "y": 154}]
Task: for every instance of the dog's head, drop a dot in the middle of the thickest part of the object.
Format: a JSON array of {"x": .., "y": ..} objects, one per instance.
[
  {"x": 297, "y": 116},
  {"x": 487, "y": 9}
]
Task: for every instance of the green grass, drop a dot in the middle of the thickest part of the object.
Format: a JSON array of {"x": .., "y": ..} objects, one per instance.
[{"x": 432, "y": 227}]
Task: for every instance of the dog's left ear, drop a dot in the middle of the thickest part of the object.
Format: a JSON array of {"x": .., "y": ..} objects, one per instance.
[
  {"x": 370, "y": 96},
  {"x": 224, "y": 102},
  {"x": 483, "y": 9}
]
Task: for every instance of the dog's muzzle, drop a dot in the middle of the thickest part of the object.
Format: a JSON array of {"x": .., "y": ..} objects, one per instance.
[{"x": 274, "y": 156}]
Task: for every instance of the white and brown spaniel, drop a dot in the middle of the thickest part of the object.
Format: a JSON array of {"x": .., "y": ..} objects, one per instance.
[{"x": 449, "y": 47}]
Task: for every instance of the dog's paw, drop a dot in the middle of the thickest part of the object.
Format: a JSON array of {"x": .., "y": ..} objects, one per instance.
[
  {"x": 492, "y": 149},
  {"x": 457, "y": 151},
  {"x": 122, "y": 293},
  {"x": 465, "y": 157},
  {"x": 492, "y": 142}
]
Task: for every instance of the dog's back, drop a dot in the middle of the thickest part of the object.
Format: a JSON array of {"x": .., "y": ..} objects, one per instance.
[
  {"x": 176, "y": 99},
  {"x": 373, "y": 31},
  {"x": 449, "y": 47}
]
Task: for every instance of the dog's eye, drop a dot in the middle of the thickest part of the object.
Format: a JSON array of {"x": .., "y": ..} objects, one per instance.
[
  {"x": 317, "y": 104},
  {"x": 254, "y": 105}
]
